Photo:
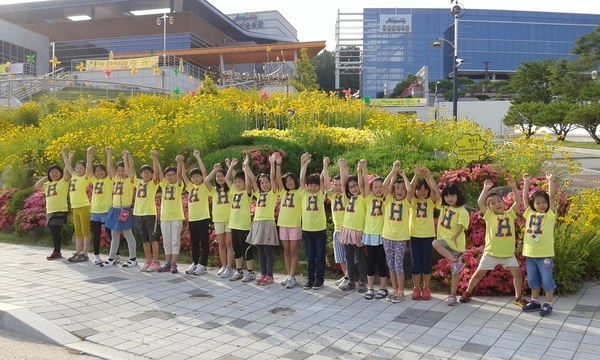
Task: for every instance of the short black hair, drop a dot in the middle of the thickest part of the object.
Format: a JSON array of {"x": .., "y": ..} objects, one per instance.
[
  {"x": 196, "y": 171},
  {"x": 101, "y": 166},
  {"x": 171, "y": 169},
  {"x": 540, "y": 193},
  {"x": 313, "y": 179},
  {"x": 294, "y": 177},
  {"x": 81, "y": 162},
  {"x": 240, "y": 175},
  {"x": 422, "y": 182},
  {"x": 52, "y": 167},
  {"x": 453, "y": 189},
  {"x": 121, "y": 164},
  {"x": 146, "y": 167}
]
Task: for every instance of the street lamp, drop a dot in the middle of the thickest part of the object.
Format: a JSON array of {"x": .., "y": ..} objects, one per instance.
[
  {"x": 457, "y": 10},
  {"x": 437, "y": 105},
  {"x": 162, "y": 20}
]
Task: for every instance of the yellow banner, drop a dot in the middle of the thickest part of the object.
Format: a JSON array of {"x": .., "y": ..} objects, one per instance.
[
  {"x": 399, "y": 102},
  {"x": 469, "y": 147},
  {"x": 122, "y": 64}
]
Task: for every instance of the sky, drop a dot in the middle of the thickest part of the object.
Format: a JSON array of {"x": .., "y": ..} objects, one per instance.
[{"x": 315, "y": 19}]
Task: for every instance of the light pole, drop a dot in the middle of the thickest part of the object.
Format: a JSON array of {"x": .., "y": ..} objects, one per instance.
[
  {"x": 162, "y": 20},
  {"x": 457, "y": 10},
  {"x": 437, "y": 105}
]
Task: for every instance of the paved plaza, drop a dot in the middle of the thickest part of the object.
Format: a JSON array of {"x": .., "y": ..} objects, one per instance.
[{"x": 118, "y": 313}]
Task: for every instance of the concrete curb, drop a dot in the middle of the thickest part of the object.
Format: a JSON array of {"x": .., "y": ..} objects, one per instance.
[
  {"x": 24, "y": 322},
  {"x": 581, "y": 151}
]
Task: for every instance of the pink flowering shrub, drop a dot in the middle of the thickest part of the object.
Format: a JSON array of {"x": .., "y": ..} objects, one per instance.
[
  {"x": 33, "y": 214},
  {"x": 259, "y": 158},
  {"x": 5, "y": 218}
]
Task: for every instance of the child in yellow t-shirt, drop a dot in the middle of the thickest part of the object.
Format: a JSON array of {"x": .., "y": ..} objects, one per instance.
[
  {"x": 144, "y": 210},
  {"x": 171, "y": 213},
  {"x": 538, "y": 244},
  {"x": 312, "y": 193},
  {"x": 80, "y": 205},
  {"x": 452, "y": 223},
  {"x": 56, "y": 189},
  {"x": 499, "y": 240},
  {"x": 101, "y": 200},
  {"x": 221, "y": 209},
  {"x": 240, "y": 221},
  {"x": 339, "y": 201}
]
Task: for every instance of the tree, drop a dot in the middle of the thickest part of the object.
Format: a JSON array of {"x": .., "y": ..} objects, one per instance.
[
  {"x": 349, "y": 78},
  {"x": 305, "y": 76},
  {"x": 208, "y": 86},
  {"x": 588, "y": 118},
  {"x": 588, "y": 49},
  {"x": 403, "y": 85},
  {"x": 324, "y": 64},
  {"x": 530, "y": 82},
  {"x": 554, "y": 116},
  {"x": 522, "y": 116}
]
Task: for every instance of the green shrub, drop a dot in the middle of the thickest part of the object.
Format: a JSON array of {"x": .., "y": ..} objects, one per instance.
[
  {"x": 17, "y": 177},
  {"x": 17, "y": 202}
]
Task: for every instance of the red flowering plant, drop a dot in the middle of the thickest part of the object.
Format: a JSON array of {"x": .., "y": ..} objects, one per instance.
[
  {"x": 33, "y": 214},
  {"x": 259, "y": 158},
  {"x": 5, "y": 218}
]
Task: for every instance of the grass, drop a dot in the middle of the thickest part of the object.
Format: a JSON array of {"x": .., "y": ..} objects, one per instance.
[
  {"x": 72, "y": 93},
  {"x": 577, "y": 144}
]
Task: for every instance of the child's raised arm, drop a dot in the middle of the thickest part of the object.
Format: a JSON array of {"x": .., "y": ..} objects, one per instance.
[
  {"x": 513, "y": 187},
  {"x": 273, "y": 173},
  {"x": 128, "y": 163},
  {"x": 109, "y": 163},
  {"x": 434, "y": 194},
  {"x": 278, "y": 179},
  {"x": 68, "y": 160},
  {"x": 158, "y": 173},
  {"x": 304, "y": 161},
  {"x": 250, "y": 178},
  {"x": 419, "y": 172},
  {"x": 551, "y": 192},
  {"x": 363, "y": 182},
  {"x": 230, "y": 170},
  {"x": 40, "y": 183},
  {"x": 200, "y": 162},
  {"x": 325, "y": 179},
  {"x": 526, "y": 180},
  {"x": 481, "y": 201},
  {"x": 209, "y": 177},
  {"x": 89, "y": 168},
  {"x": 410, "y": 192},
  {"x": 180, "y": 169},
  {"x": 344, "y": 173},
  {"x": 388, "y": 183}
]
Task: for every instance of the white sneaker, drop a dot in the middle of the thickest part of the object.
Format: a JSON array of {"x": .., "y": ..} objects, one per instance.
[
  {"x": 108, "y": 262},
  {"x": 129, "y": 263},
  {"x": 340, "y": 281},
  {"x": 221, "y": 270},
  {"x": 227, "y": 273},
  {"x": 238, "y": 275},
  {"x": 200, "y": 269},
  {"x": 284, "y": 282},
  {"x": 191, "y": 269},
  {"x": 343, "y": 283},
  {"x": 248, "y": 277}
]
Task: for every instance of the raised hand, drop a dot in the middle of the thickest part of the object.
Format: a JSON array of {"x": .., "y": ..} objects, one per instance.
[
  {"x": 511, "y": 182},
  {"x": 217, "y": 167},
  {"x": 549, "y": 176},
  {"x": 326, "y": 161},
  {"x": 234, "y": 161},
  {"x": 153, "y": 153},
  {"x": 196, "y": 153},
  {"x": 90, "y": 150},
  {"x": 108, "y": 151},
  {"x": 526, "y": 177},
  {"x": 179, "y": 158},
  {"x": 488, "y": 184}
]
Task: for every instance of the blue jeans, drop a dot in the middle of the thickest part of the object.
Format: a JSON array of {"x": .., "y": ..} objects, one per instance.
[
  {"x": 315, "y": 244},
  {"x": 539, "y": 273}
]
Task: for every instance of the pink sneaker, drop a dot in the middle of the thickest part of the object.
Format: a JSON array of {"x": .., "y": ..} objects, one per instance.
[
  {"x": 267, "y": 280},
  {"x": 147, "y": 265},
  {"x": 154, "y": 266},
  {"x": 260, "y": 280}
]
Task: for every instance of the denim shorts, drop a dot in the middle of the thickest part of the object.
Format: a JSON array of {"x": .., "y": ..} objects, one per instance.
[{"x": 539, "y": 273}]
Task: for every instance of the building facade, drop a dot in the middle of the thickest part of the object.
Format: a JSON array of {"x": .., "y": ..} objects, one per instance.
[
  {"x": 398, "y": 42},
  {"x": 265, "y": 22}
]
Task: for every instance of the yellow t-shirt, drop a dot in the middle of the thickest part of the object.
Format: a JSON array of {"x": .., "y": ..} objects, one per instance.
[
  {"x": 500, "y": 233},
  {"x": 421, "y": 221},
  {"x": 122, "y": 192},
  {"x": 313, "y": 210},
  {"x": 239, "y": 218},
  {"x": 56, "y": 196},
  {"x": 290, "y": 210},
  {"x": 78, "y": 191},
  {"x": 221, "y": 205},
  {"x": 373, "y": 215},
  {"x": 265, "y": 205},
  {"x": 145, "y": 198},
  {"x": 171, "y": 208},
  {"x": 354, "y": 219},
  {"x": 450, "y": 218},
  {"x": 101, "y": 195},
  {"x": 396, "y": 214},
  {"x": 542, "y": 225},
  {"x": 338, "y": 210},
  {"x": 197, "y": 202}
]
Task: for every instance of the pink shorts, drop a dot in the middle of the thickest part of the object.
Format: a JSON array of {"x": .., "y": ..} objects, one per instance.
[{"x": 290, "y": 233}]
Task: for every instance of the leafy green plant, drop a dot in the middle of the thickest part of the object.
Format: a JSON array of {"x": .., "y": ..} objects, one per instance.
[{"x": 18, "y": 200}]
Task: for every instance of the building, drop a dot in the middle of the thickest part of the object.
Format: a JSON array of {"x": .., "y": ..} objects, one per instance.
[
  {"x": 265, "y": 22},
  {"x": 398, "y": 42}
]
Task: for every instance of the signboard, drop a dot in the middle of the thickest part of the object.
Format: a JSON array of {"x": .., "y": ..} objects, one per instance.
[
  {"x": 399, "y": 102},
  {"x": 469, "y": 147},
  {"x": 11, "y": 69},
  {"x": 395, "y": 23},
  {"x": 122, "y": 64}
]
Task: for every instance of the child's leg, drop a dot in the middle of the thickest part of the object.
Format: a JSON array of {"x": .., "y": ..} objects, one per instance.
[
  {"x": 229, "y": 245},
  {"x": 426, "y": 250},
  {"x": 517, "y": 280},
  {"x": 77, "y": 218},
  {"x": 311, "y": 260},
  {"x": 416, "y": 256},
  {"x": 390, "y": 256},
  {"x": 293, "y": 244},
  {"x": 320, "y": 241},
  {"x": 534, "y": 278},
  {"x": 194, "y": 227},
  {"x": 114, "y": 244},
  {"x": 270, "y": 259},
  {"x": 454, "y": 284},
  {"x": 55, "y": 231},
  {"x": 154, "y": 249},
  {"x": 238, "y": 247},
  {"x": 349, "y": 250},
  {"x": 85, "y": 228},
  {"x": 204, "y": 242},
  {"x": 382, "y": 267},
  {"x": 96, "y": 227},
  {"x": 287, "y": 258},
  {"x": 223, "y": 250},
  {"x": 131, "y": 245},
  {"x": 339, "y": 254},
  {"x": 371, "y": 264},
  {"x": 362, "y": 263},
  {"x": 546, "y": 268},
  {"x": 165, "y": 227},
  {"x": 147, "y": 250},
  {"x": 475, "y": 279},
  {"x": 176, "y": 229},
  {"x": 262, "y": 259},
  {"x": 441, "y": 249}
]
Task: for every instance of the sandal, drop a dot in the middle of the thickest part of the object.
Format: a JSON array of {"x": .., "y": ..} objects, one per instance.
[
  {"x": 381, "y": 293},
  {"x": 369, "y": 295}
]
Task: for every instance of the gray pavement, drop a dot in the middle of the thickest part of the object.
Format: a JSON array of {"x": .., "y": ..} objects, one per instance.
[{"x": 117, "y": 313}]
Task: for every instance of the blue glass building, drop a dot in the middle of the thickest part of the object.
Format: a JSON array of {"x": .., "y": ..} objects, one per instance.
[{"x": 397, "y": 42}]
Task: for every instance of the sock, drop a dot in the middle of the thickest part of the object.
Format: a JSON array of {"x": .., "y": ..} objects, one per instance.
[
  {"x": 535, "y": 301},
  {"x": 251, "y": 271},
  {"x": 133, "y": 259},
  {"x": 240, "y": 271}
]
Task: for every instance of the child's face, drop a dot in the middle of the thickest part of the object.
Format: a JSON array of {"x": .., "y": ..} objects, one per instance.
[
  {"x": 240, "y": 184},
  {"x": 451, "y": 199},
  {"x": 171, "y": 177},
  {"x": 540, "y": 204},
  {"x": 289, "y": 183},
  {"x": 496, "y": 204},
  {"x": 220, "y": 178},
  {"x": 121, "y": 172},
  {"x": 422, "y": 192},
  {"x": 400, "y": 191},
  {"x": 265, "y": 184},
  {"x": 55, "y": 175},
  {"x": 79, "y": 169},
  {"x": 99, "y": 173},
  {"x": 196, "y": 179},
  {"x": 313, "y": 188},
  {"x": 147, "y": 175},
  {"x": 353, "y": 188},
  {"x": 337, "y": 186},
  {"x": 377, "y": 188}
]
